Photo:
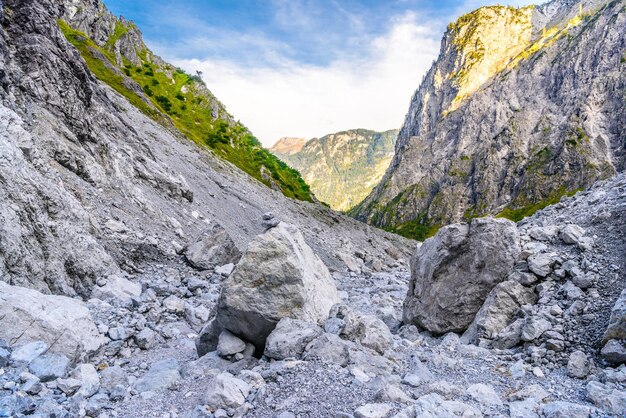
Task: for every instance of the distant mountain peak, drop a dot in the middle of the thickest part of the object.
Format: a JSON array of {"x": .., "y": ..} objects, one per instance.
[{"x": 288, "y": 145}]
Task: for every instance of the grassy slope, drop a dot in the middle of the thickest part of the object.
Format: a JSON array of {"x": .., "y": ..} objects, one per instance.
[{"x": 186, "y": 102}]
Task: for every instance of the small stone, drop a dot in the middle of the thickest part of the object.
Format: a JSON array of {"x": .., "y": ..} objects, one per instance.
[
  {"x": 164, "y": 374},
  {"x": 146, "y": 339},
  {"x": 32, "y": 387},
  {"x": 89, "y": 380},
  {"x": 538, "y": 372},
  {"x": 562, "y": 409},
  {"x": 225, "y": 270},
  {"x": 334, "y": 325},
  {"x": 541, "y": 264},
  {"x": 572, "y": 234}
]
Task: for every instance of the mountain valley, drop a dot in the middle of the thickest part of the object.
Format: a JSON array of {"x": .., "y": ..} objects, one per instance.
[{"x": 157, "y": 261}]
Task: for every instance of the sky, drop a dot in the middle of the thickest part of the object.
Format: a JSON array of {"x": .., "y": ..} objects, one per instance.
[{"x": 302, "y": 68}]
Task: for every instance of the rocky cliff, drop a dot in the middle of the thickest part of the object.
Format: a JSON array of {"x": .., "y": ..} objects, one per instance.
[
  {"x": 341, "y": 168},
  {"x": 521, "y": 107}
]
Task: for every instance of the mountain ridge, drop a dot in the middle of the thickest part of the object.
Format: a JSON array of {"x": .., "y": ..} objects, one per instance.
[
  {"x": 544, "y": 125},
  {"x": 115, "y": 52},
  {"x": 343, "y": 167}
]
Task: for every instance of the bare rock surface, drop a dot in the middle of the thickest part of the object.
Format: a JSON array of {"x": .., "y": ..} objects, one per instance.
[
  {"x": 453, "y": 272},
  {"x": 64, "y": 324},
  {"x": 278, "y": 276}
]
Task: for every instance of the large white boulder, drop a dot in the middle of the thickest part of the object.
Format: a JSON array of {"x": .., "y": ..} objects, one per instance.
[
  {"x": 279, "y": 276},
  {"x": 65, "y": 324},
  {"x": 453, "y": 272}
]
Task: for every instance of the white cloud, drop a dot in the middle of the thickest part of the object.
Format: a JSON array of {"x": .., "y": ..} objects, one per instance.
[
  {"x": 370, "y": 90},
  {"x": 363, "y": 88}
]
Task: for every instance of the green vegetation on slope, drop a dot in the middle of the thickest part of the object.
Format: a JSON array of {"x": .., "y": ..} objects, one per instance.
[
  {"x": 516, "y": 214},
  {"x": 172, "y": 94}
]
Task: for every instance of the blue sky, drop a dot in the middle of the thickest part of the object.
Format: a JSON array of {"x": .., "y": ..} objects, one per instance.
[{"x": 302, "y": 67}]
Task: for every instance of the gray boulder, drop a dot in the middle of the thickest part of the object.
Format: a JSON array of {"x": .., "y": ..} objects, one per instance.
[
  {"x": 164, "y": 374},
  {"x": 434, "y": 406},
  {"x": 111, "y": 377},
  {"x": 229, "y": 344},
  {"x": 606, "y": 397},
  {"x": 49, "y": 366},
  {"x": 117, "y": 290},
  {"x": 562, "y": 409},
  {"x": 146, "y": 339},
  {"x": 63, "y": 323},
  {"x": 89, "y": 380},
  {"x": 616, "y": 330},
  {"x": 498, "y": 310},
  {"x": 534, "y": 328},
  {"x": 328, "y": 348},
  {"x": 226, "y": 391},
  {"x": 578, "y": 365},
  {"x": 213, "y": 248},
  {"x": 614, "y": 352},
  {"x": 290, "y": 338},
  {"x": 279, "y": 276},
  {"x": 29, "y": 352},
  {"x": 453, "y": 272}
]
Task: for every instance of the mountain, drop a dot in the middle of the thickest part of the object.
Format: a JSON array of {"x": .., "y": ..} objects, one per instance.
[
  {"x": 288, "y": 146},
  {"x": 114, "y": 51},
  {"x": 341, "y": 168},
  {"x": 98, "y": 179},
  {"x": 521, "y": 107}
]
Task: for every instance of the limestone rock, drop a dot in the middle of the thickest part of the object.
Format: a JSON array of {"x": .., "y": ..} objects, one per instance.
[
  {"x": 213, "y": 248},
  {"x": 373, "y": 410},
  {"x": 484, "y": 394},
  {"x": 434, "y": 406},
  {"x": 226, "y": 391},
  {"x": 453, "y": 272},
  {"x": 541, "y": 264},
  {"x": 498, "y": 310},
  {"x": 614, "y": 352},
  {"x": 117, "y": 289},
  {"x": 578, "y": 365},
  {"x": 89, "y": 380},
  {"x": 562, "y": 409},
  {"x": 229, "y": 344},
  {"x": 290, "y": 338},
  {"x": 279, "y": 276},
  {"x": 63, "y": 323},
  {"x": 534, "y": 328},
  {"x": 607, "y": 398},
  {"x": 49, "y": 366},
  {"x": 617, "y": 322},
  {"x": 164, "y": 374}
]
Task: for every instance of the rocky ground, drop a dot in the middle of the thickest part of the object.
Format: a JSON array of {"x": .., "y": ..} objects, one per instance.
[{"x": 359, "y": 360}]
